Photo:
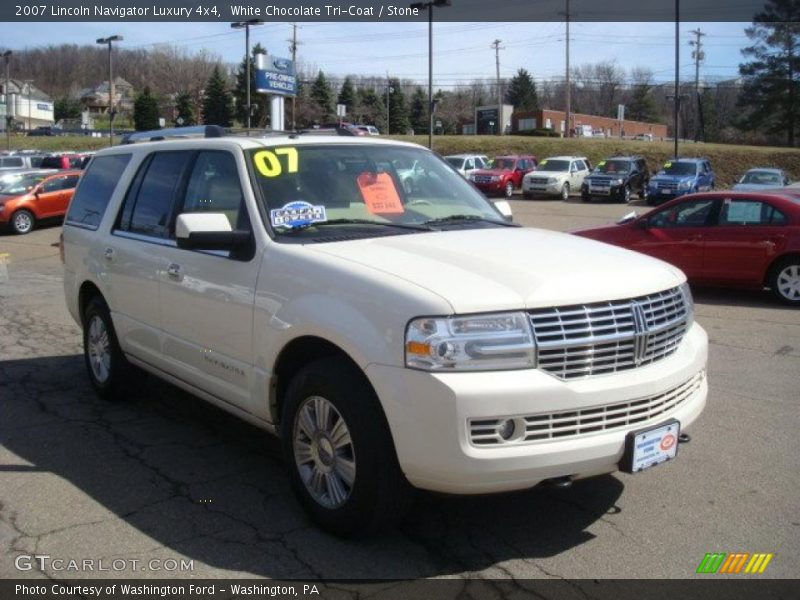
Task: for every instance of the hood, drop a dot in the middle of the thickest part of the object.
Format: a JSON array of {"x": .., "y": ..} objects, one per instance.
[
  {"x": 743, "y": 187},
  {"x": 678, "y": 178},
  {"x": 481, "y": 270},
  {"x": 546, "y": 173},
  {"x": 491, "y": 171}
]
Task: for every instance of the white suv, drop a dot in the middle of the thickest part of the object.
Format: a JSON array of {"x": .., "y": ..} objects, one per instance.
[
  {"x": 556, "y": 176},
  {"x": 388, "y": 337}
]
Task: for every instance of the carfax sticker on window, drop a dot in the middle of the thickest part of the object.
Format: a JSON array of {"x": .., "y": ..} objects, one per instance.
[{"x": 297, "y": 214}]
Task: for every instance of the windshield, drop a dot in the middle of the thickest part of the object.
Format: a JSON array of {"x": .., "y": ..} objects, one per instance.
[
  {"x": 762, "y": 177},
  {"x": 20, "y": 184},
  {"x": 306, "y": 186},
  {"x": 506, "y": 164},
  {"x": 456, "y": 162},
  {"x": 679, "y": 168},
  {"x": 553, "y": 165},
  {"x": 613, "y": 167}
]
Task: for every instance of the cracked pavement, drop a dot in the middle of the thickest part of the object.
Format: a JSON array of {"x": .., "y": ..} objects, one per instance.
[{"x": 166, "y": 476}]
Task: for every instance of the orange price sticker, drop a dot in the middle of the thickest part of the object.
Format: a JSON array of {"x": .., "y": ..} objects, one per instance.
[{"x": 379, "y": 193}]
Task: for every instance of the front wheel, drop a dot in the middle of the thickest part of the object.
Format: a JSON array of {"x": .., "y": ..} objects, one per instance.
[
  {"x": 626, "y": 194},
  {"x": 22, "y": 222},
  {"x": 339, "y": 451},
  {"x": 565, "y": 192},
  {"x": 644, "y": 194},
  {"x": 785, "y": 281},
  {"x": 509, "y": 190}
]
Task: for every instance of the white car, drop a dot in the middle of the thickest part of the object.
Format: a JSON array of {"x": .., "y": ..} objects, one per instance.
[
  {"x": 466, "y": 164},
  {"x": 386, "y": 337},
  {"x": 556, "y": 176}
]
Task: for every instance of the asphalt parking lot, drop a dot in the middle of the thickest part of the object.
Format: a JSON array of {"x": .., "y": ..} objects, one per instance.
[{"x": 168, "y": 477}]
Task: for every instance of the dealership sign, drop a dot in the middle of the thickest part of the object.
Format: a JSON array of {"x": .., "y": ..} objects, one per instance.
[{"x": 275, "y": 76}]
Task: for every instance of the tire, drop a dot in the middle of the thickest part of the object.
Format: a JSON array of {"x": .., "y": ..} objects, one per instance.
[
  {"x": 22, "y": 222},
  {"x": 644, "y": 195},
  {"x": 355, "y": 488},
  {"x": 785, "y": 280},
  {"x": 509, "y": 189},
  {"x": 626, "y": 194},
  {"x": 565, "y": 192},
  {"x": 108, "y": 369}
]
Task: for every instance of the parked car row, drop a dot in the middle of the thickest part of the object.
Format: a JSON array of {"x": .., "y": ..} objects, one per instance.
[{"x": 32, "y": 159}]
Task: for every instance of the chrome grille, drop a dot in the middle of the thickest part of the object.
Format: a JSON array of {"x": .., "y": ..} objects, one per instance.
[
  {"x": 667, "y": 185},
  {"x": 483, "y": 179},
  {"x": 538, "y": 180},
  {"x": 585, "y": 421},
  {"x": 606, "y": 337}
]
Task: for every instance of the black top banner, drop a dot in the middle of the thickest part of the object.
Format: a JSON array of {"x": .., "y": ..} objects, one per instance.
[{"x": 381, "y": 10}]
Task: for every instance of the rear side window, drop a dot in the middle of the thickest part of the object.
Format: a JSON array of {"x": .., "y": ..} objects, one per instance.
[
  {"x": 12, "y": 162},
  {"x": 148, "y": 205},
  {"x": 93, "y": 194},
  {"x": 51, "y": 162},
  {"x": 75, "y": 162}
]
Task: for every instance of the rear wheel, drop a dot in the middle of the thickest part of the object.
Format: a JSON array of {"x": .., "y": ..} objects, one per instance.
[
  {"x": 785, "y": 281},
  {"x": 22, "y": 222},
  {"x": 109, "y": 371},
  {"x": 565, "y": 192},
  {"x": 339, "y": 451}
]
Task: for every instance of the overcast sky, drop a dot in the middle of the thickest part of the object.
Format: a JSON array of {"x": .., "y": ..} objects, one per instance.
[{"x": 461, "y": 50}]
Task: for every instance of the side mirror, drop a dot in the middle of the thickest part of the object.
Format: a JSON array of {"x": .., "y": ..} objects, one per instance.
[
  {"x": 505, "y": 209},
  {"x": 209, "y": 231}
]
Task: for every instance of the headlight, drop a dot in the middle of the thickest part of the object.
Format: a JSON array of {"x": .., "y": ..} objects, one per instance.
[
  {"x": 617, "y": 182},
  {"x": 495, "y": 177},
  {"x": 552, "y": 180},
  {"x": 477, "y": 343},
  {"x": 471, "y": 177},
  {"x": 684, "y": 185},
  {"x": 689, "y": 300}
]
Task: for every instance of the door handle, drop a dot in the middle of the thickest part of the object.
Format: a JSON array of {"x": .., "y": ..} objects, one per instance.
[
  {"x": 109, "y": 254},
  {"x": 174, "y": 271}
]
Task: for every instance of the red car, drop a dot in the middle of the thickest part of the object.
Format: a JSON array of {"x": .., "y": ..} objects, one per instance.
[
  {"x": 505, "y": 175},
  {"x": 741, "y": 239}
]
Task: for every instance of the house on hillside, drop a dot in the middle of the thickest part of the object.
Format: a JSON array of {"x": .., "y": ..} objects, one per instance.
[{"x": 95, "y": 100}]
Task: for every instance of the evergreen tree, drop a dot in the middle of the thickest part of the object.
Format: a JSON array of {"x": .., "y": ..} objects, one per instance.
[
  {"x": 418, "y": 116},
  {"x": 642, "y": 106},
  {"x": 66, "y": 108},
  {"x": 348, "y": 97},
  {"x": 217, "y": 101},
  {"x": 145, "y": 112},
  {"x": 259, "y": 102},
  {"x": 770, "y": 95},
  {"x": 398, "y": 113},
  {"x": 372, "y": 110},
  {"x": 184, "y": 109},
  {"x": 322, "y": 96},
  {"x": 521, "y": 92}
]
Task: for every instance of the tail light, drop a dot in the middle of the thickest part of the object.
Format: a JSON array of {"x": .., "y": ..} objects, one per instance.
[{"x": 61, "y": 246}]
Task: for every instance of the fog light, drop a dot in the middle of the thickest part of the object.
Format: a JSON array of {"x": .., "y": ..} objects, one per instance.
[{"x": 506, "y": 429}]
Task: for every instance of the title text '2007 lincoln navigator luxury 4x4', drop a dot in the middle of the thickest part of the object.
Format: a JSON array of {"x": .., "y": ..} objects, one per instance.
[{"x": 393, "y": 338}]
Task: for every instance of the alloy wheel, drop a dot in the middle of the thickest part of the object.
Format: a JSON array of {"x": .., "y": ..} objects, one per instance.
[
  {"x": 789, "y": 282},
  {"x": 99, "y": 348}
]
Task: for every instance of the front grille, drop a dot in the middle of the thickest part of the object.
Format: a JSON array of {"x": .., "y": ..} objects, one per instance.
[
  {"x": 483, "y": 179},
  {"x": 586, "y": 421},
  {"x": 667, "y": 185},
  {"x": 606, "y": 337},
  {"x": 537, "y": 180}
]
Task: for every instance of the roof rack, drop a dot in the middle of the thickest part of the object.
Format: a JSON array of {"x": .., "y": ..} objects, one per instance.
[{"x": 216, "y": 131}]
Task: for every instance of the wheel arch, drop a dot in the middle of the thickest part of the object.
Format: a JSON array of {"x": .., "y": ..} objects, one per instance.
[
  {"x": 768, "y": 274},
  {"x": 88, "y": 290}
]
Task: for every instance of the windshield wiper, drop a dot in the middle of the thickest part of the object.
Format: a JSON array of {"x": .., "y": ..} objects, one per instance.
[
  {"x": 467, "y": 218},
  {"x": 421, "y": 227}
]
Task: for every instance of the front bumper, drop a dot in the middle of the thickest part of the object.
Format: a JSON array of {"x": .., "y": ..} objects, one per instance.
[
  {"x": 492, "y": 187},
  {"x": 429, "y": 413},
  {"x": 657, "y": 195},
  {"x": 544, "y": 189},
  {"x": 615, "y": 192}
]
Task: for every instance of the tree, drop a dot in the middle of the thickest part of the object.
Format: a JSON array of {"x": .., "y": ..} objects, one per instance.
[
  {"x": 184, "y": 109},
  {"x": 217, "y": 100},
  {"x": 521, "y": 92},
  {"x": 145, "y": 111},
  {"x": 398, "y": 113},
  {"x": 371, "y": 109},
  {"x": 259, "y": 102},
  {"x": 770, "y": 95},
  {"x": 322, "y": 96},
  {"x": 418, "y": 116},
  {"x": 642, "y": 105},
  {"x": 66, "y": 108},
  {"x": 347, "y": 96}
]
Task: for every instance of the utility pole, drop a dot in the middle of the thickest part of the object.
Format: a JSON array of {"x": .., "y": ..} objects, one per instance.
[
  {"x": 568, "y": 91},
  {"x": 247, "y": 60},
  {"x": 389, "y": 90},
  {"x": 497, "y": 47},
  {"x": 7, "y": 57},
  {"x": 677, "y": 73},
  {"x": 697, "y": 55},
  {"x": 28, "y": 83},
  {"x": 293, "y": 43},
  {"x": 112, "y": 111}
]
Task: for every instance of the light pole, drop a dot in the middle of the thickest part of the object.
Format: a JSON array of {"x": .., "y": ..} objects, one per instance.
[
  {"x": 28, "y": 83},
  {"x": 7, "y": 57},
  {"x": 389, "y": 90},
  {"x": 246, "y": 26},
  {"x": 112, "y": 111},
  {"x": 429, "y": 5}
]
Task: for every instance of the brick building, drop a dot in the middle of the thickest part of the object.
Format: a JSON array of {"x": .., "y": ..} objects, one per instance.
[{"x": 555, "y": 120}]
